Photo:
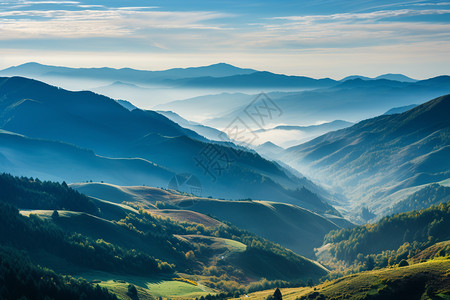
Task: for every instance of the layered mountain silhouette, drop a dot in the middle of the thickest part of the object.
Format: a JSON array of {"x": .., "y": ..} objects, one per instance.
[
  {"x": 125, "y": 74},
  {"x": 256, "y": 79},
  {"x": 396, "y": 77},
  {"x": 379, "y": 160},
  {"x": 352, "y": 100},
  {"x": 90, "y": 121}
]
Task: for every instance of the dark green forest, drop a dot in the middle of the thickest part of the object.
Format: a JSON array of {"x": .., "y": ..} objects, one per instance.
[
  {"x": 29, "y": 193},
  {"x": 392, "y": 239},
  {"x": 21, "y": 279}
]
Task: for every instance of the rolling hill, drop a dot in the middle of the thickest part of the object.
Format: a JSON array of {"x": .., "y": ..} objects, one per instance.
[
  {"x": 143, "y": 248},
  {"x": 378, "y": 157},
  {"x": 428, "y": 280},
  {"x": 291, "y": 226}
]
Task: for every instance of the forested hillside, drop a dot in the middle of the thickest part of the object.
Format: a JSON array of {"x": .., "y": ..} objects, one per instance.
[
  {"x": 221, "y": 256},
  {"x": 392, "y": 239}
]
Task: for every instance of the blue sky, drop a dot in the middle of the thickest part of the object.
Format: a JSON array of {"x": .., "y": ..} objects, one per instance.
[{"x": 322, "y": 38}]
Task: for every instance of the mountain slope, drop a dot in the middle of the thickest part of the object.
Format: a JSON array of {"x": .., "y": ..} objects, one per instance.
[
  {"x": 428, "y": 280},
  {"x": 133, "y": 248},
  {"x": 64, "y": 162},
  {"x": 86, "y": 119},
  {"x": 208, "y": 132},
  {"x": 399, "y": 110},
  {"x": 378, "y": 157},
  {"x": 95, "y": 122},
  {"x": 291, "y": 226}
]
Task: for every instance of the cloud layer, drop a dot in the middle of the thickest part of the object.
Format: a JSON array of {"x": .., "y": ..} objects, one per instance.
[{"x": 234, "y": 31}]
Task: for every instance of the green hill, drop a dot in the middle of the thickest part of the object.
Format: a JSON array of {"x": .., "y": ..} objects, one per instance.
[
  {"x": 293, "y": 227},
  {"x": 429, "y": 280},
  {"x": 392, "y": 239},
  {"x": 144, "y": 246}
]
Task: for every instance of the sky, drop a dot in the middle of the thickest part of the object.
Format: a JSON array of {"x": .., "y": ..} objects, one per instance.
[{"x": 321, "y": 38}]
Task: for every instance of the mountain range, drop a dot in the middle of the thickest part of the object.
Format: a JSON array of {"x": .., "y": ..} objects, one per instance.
[
  {"x": 395, "y": 77},
  {"x": 170, "y": 203},
  {"x": 381, "y": 159},
  {"x": 42, "y": 112},
  {"x": 352, "y": 100}
]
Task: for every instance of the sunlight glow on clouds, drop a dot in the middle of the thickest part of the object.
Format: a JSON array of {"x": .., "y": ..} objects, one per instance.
[{"x": 290, "y": 39}]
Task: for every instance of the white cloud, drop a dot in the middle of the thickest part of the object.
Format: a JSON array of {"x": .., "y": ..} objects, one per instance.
[
  {"x": 376, "y": 15},
  {"x": 25, "y": 24}
]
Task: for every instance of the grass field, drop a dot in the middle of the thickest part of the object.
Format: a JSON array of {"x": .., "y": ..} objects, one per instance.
[
  {"x": 429, "y": 280},
  {"x": 148, "y": 288}
]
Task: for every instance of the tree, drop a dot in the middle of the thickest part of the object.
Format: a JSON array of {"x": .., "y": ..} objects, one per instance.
[
  {"x": 277, "y": 295},
  {"x": 132, "y": 292},
  {"x": 403, "y": 263},
  {"x": 369, "y": 263},
  {"x": 55, "y": 214}
]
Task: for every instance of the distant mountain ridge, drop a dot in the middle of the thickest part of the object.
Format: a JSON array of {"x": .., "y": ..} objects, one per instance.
[
  {"x": 352, "y": 100},
  {"x": 257, "y": 79},
  {"x": 36, "y": 69},
  {"x": 390, "y": 76}
]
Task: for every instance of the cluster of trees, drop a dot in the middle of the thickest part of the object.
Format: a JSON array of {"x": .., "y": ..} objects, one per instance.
[
  {"x": 392, "y": 239},
  {"x": 33, "y": 233},
  {"x": 21, "y": 279},
  {"x": 29, "y": 193},
  {"x": 269, "y": 257},
  {"x": 165, "y": 228}
]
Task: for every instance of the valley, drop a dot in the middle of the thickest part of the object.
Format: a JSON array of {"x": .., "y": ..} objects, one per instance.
[{"x": 344, "y": 196}]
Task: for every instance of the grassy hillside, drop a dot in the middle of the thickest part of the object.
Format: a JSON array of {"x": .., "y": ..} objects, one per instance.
[
  {"x": 145, "y": 247},
  {"x": 389, "y": 241},
  {"x": 428, "y": 280},
  {"x": 291, "y": 226},
  {"x": 375, "y": 158}
]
